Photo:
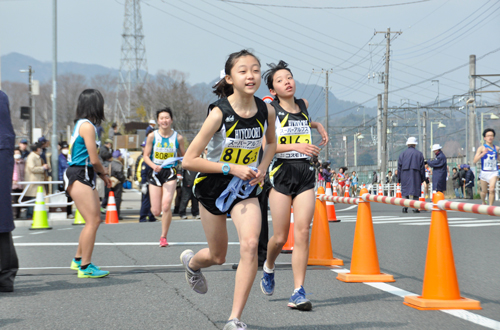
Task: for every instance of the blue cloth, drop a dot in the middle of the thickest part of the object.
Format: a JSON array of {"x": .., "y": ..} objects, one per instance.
[
  {"x": 63, "y": 165},
  {"x": 7, "y": 141},
  {"x": 469, "y": 178},
  {"x": 439, "y": 172},
  {"x": 237, "y": 188},
  {"x": 172, "y": 160},
  {"x": 411, "y": 171}
]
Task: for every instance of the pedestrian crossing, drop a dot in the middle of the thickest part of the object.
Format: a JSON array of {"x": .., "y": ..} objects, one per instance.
[{"x": 426, "y": 221}]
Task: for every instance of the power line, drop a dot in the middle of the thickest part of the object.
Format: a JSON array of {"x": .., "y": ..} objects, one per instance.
[{"x": 310, "y": 7}]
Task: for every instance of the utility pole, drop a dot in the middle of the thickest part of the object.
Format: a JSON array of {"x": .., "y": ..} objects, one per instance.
[
  {"x": 471, "y": 103},
  {"x": 55, "y": 154},
  {"x": 419, "y": 127},
  {"x": 379, "y": 131},
  {"x": 383, "y": 165},
  {"x": 345, "y": 146},
  {"x": 30, "y": 72},
  {"x": 326, "y": 108},
  {"x": 424, "y": 133}
]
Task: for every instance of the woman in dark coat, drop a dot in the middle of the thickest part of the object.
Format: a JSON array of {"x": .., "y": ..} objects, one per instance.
[
  {"x": 440, "y": 171},
  {"x": 411, "y": 172},
  {"x": 8, "y": 257}
]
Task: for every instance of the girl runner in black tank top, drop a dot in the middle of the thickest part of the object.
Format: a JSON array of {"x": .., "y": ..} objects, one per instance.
[{"x": 293, "y": 180}]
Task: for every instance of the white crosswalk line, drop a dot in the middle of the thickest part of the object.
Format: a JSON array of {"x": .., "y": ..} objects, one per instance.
[{"x": 477, "y": 225}]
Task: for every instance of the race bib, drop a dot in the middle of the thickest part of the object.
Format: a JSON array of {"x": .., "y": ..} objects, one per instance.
[{"x": 241, "y": 152}]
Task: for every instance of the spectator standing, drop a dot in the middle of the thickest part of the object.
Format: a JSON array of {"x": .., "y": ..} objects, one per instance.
[
  {"x": 461, "y": 173},
  {"x": 142, "y": 170},
  {"x": 388, "y": 177},
  {"x": 8, "y": 258},
  {"x": 469, "y": 182},
  {"x": 354, "y": 187},
  {"x": 411, "y": 171},
  {"x": 440, "y": 171},
  {"x": 374, "y": 182},
  {"x": 325, "y": 172},
  {"x": 105, "y": 156},
  {"x": 457, "y": 183},
  {"x": 35, "y": 170},
  {"x": 116, "y": 171},
  {"x": 113, "y": 131},
  {"x": 187, "y": 195},
  {"x": 62, "y": 166},
  {"x": 23, "y": 146},
  {"x": 17, "y": 176},
  {"x": 395, "y": 178},
  {"x": 151, "y": 127},
  {"x": 99, "y": 130}
]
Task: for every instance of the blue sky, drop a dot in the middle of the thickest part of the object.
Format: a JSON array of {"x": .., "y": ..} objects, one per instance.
[{"x": 195, "y": 36}]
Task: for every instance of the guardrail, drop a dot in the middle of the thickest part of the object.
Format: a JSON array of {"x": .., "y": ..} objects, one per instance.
[{"x": 31, "y": 202}]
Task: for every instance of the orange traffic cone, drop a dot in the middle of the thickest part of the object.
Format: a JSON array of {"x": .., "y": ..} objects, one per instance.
[
  {"x": 346, "y": 193},
  {"x": 288, "y": 247},
  {"x": 422, "y": 195},
  {"x": 380, "y": 191},
  {"x": 320, "y": 247},
  {"x": 440, "y": 289},
  {"x": 330, "y": 207},
  {"x": 398, "y": 191},
  {"x": 334, "y": 191},
  {"x": 111, "y": 212},
  {"x": 364, "y": 261}
]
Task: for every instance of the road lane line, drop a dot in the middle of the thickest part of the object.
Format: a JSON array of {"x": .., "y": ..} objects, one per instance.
[
  {"x": 116, "y": 244},
  {"x": 38, "y": 232},
  {"x": 455, "y": 222},
  {"x": 478, "y": 225},
  {"x": 427, "y": 221},
  {"x": 460, "y": 313},
  {"x": 65, "y": 229},
  {"x": 348, "y": 208},
  {"x": 14, "y": 237}
]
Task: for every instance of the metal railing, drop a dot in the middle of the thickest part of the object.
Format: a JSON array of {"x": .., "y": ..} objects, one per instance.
[{"x": 31, "y": 202}]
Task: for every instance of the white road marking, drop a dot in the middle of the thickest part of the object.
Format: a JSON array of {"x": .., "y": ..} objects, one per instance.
[
  {"x": 347, "y": 209},
  {"x": 460, "y": 313},
  {"x": 65, "y": 229},
  {"x": 116, "y": 244},
  {"x": 452, "y": 222},
  {"x": 38, "y": 232},
  {"x": 14, "y": 237},
  {"x": 478, "y": 225},
  {"x": 426, "y": 220}
]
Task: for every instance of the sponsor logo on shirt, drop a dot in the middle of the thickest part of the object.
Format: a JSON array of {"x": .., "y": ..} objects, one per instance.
[{"x": 230, "y": 118}]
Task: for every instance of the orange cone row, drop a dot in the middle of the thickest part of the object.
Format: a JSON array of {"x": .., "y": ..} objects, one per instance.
[{"x": 330, "y": 206}]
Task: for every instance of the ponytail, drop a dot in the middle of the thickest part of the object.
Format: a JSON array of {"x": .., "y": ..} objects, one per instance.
[{"x": 222, "y": 88}]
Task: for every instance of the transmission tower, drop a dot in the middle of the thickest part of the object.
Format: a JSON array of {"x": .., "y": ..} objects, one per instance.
[{"x": 133, "y": 65}]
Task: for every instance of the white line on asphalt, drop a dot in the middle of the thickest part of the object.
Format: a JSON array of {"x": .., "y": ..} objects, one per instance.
[
  {"x": 478, "y": 225},
  {"x": 38, "y": 232},
  {"x": 140, "y": 266},
  {"x": 460, "y": 313},
  {"x": 453, "y": 222},
  {"x": 390, "y": 220},
  {"x": 14, "y": 237},
  {"x": 427, "y": 221},
  {"x": 348, "y": 208},
  {"x": 65, "y": 228},
  {"x": 116, "y": 244}
]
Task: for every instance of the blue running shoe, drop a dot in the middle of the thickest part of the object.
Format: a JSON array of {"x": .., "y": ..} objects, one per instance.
[
  {"x": 299, "y": 301},
  {"x": 75, "y": 265},
  {"x": 267, "y": 283},
  {"x": 92, "y": 271}
]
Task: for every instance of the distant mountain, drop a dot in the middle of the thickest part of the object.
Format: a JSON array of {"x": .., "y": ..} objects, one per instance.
[{"x": 13, "y": 62}]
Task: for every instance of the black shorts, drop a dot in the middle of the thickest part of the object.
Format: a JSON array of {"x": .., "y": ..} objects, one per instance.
[
  {"x": 208, "y": 187},
  {"x": 165, "y": 175},
  {"x": 292, "y": 177},
  {"x": 83, "y": 174},
  {"x": 426, "y": 180}
]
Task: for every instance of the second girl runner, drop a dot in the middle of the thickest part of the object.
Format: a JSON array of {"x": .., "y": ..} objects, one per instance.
[
  {"x": 292, "y": 178},
  {"x": 161, "y": 145}
]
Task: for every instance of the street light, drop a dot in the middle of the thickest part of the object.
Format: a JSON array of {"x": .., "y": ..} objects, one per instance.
[
  {"x": 440, "y": 125},
  {"x": 356, "y": 137},
  {"x": 492, "y": 116}
]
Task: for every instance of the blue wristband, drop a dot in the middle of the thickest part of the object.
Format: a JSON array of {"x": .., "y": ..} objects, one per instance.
[{"x": 226, "y": 169}]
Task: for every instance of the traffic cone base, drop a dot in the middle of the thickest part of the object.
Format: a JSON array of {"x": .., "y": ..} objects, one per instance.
[
  {"x": 364, "y": 260},
  {"x": 423, "y": 304},
  {"x": 78, "y": 218},
  {"x": 320, "y": 247},
  {"x": 40, "y": 219},
  {"x": 440, "y": 286},
  {"x": 355, "y": 278}
]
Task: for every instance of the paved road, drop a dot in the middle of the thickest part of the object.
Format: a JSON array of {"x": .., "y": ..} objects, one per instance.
[{"x": 147, "y": 289}]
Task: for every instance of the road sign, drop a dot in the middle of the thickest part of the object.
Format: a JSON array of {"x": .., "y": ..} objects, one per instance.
[
  {"x": 25, "y": 113},
  {"x": 267, "y": 99}
]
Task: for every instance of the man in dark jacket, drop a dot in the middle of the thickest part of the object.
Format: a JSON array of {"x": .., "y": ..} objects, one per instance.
[
  {"x": 469, "y": 182},
  {"x": 411, "y": 171},
  {"x": 9, "y": 263},
  {"x": 440, "y": 171},
  {"x": 461, "y": 175},
  {"x": 117, "y": 172},
  {"x": 187, "y": 194}
]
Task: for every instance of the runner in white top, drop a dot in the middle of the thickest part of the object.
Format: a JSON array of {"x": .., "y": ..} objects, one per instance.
[{"x": 488, "y": 153}]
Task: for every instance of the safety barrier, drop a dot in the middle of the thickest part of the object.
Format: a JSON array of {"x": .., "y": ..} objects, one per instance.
[
  {"x": 31, "y": 202},
  {"x": 440, "y": 283}
]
